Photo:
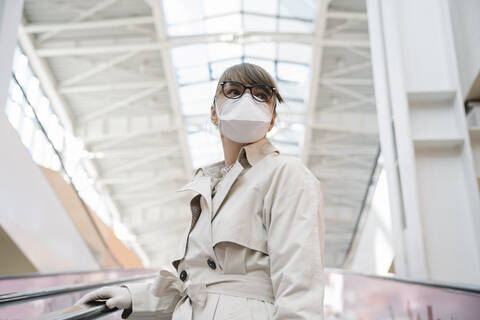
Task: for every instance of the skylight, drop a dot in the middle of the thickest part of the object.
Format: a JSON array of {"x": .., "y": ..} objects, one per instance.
[{"x": 249, "y": 31}]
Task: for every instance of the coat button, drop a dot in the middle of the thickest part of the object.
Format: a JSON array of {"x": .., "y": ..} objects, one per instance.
[
  {"x": 183, "y": 275},
  {"x": 211, "y": 264}
]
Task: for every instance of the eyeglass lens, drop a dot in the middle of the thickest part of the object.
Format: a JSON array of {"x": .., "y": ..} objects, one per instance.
[{"x": 234, "y": 90}]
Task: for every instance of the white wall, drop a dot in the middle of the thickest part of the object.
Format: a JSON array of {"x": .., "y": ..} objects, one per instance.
[
  {"x": 373, "y": 252},
  {"x": 424, "y": 136},
  {"x": 30, "y": 211},
  {"x": 465, "y": 15}
]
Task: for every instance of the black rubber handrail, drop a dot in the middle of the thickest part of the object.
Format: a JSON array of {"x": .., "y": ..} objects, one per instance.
[
  {"x": 47, "y": 293},
  {"x": 96, "y": 309},
  {"x": 92, "y": 310},
  {"x": 470, "y": 104},
  {"x": 430, "y": 283},
  {"x": 53, "y": 274}
]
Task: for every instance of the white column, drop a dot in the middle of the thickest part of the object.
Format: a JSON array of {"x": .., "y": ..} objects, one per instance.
[{"x": 424, "y": 139}]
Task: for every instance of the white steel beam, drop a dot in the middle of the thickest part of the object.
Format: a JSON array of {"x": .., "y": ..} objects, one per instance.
[
  {"x": 160, "y": 201},
  {"x": 349, "y": 105},
  {"x": 340, "y": 27},
  {"x": 137, "y": 222},
  {"x": 348, "y": 69},
  {"x": 316, "y": 65},
  {"x": 251, "y": 37},
  {"x": 122, "y": 180},
  {"x": 160, "y": 234},
  {"x": 88, "y": 25},
  {"x": 84, "y": 15},
  {"x": 108, "y": 145},
  {"x": 366, "y": 129},
  {"x": 139, "y": 162},
  {"x": 119, "y": 104},
  {"x": 174, "y": 176},
  {"x": 332, "y": 148},
  {"x": 347, "y": 15},
  {"x": 159, "y": 84},
  {"x": 129, "y": 135},
  {"x": 98, "y": 50},
  {"x": 333, "y": 173},
  {"x": 348, "y": 92},
  {"x": 98, "y": 68},
  {"x": 359, "y": 52},
  {"x": 348, "y": 81},
  {"x": 143, "y": 195},
  {"x": 42, "y": 71},
  {"x": 170, "y": 76}
]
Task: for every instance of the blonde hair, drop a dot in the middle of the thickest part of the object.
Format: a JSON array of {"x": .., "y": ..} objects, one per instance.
[{"x": 250, "y": 74}]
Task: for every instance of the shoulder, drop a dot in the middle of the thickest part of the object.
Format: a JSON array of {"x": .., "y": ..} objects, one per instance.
[
  {"x": 291, "y": 168},
  {"x": 291, "y": 164}
]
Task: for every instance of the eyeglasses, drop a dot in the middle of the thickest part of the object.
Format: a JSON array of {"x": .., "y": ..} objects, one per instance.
[{"x": 260, "y": 92}]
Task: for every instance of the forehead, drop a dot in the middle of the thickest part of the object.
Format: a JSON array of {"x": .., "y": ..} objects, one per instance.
[
  {"x": 233, "y": 81},
  {"x": 245, "y": 83}
]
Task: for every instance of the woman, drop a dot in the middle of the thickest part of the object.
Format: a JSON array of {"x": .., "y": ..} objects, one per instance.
[{"x": 255, "y": 247}]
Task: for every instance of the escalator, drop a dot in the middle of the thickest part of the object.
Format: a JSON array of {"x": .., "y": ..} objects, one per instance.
[
  {"x": 348, "y": 295},
  {"x": 32, "y": 296}
]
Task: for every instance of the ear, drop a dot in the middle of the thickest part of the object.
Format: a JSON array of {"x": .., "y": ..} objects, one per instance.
[{"x": 213, "y": 115}]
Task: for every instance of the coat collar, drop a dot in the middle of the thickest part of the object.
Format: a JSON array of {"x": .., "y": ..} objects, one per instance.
[{"x": 248, "y": 156}]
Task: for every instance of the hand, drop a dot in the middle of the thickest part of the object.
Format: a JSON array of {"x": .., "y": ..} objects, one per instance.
[{"x": 119, "y": 297}]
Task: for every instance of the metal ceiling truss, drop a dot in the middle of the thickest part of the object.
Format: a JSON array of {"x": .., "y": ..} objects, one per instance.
[
  {"x": 341, "y": 135},
  {"x": 120, "y": 155},
  {"x": 134, "y": 131}
]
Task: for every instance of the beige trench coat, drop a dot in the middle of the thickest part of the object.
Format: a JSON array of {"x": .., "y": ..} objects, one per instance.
[{"x": 254, "y": 251}]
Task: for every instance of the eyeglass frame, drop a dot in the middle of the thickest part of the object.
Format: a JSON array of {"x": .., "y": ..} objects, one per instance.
[{"x": 250, "y": 88}]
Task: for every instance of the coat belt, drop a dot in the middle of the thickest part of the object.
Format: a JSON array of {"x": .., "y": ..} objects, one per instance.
[{"x": 174, "y": 292}]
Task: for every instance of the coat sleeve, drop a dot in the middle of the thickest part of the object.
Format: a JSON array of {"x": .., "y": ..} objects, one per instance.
[
  {"x": 155, "y": 299},
  {"x": 295, "y": 228}
]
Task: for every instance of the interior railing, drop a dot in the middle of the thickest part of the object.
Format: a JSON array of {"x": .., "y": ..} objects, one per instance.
[
  {"x": 52, "y": 296},
  {"x": 348, "y": 295}
]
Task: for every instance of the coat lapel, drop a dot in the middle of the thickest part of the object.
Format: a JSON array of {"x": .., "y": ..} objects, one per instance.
[
  {"x": 200, "y": 184},
  {"x": 227, "y": 183}
]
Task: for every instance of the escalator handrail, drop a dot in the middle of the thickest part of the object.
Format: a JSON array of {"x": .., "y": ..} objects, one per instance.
[
  {"x": 431, "y": 283},
  {"x": 93, "y": 310},
  {"x": 46, "y": 293},
  {"x": 53, "y": 274}
]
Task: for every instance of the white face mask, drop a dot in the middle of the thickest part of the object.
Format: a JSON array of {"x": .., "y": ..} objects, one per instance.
[{"x": 243, "y": 120}]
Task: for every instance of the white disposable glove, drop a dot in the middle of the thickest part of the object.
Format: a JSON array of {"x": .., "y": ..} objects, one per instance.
[{"x": 119, "y": 297}]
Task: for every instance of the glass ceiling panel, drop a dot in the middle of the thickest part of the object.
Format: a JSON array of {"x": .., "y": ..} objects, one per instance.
[
  {"x": 218, "y": 7},
  {"x": 219, "y": 51},
  {"x": 198, "y": 66},
  {"x": 264, "y": 6},
  {"x": 268, "y": 65},
  {"x": 193, "y": 74},
  {"x": 267, "y": 50},
  {"x": 222, "y": 24},
  {"x": 185, "y": 11},
  {"x": 258, "y": 23},
  {"x": 298, "y": 52},
  {"x": 292, "y": 71},
  {"x": 220, "y": 66},
  {"x": 302, "y": 9},
  {"x": 294, "y": 26},
  {"x": 183, "y": 57}
]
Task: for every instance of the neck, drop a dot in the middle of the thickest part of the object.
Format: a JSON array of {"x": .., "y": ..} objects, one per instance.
[{"x": 230, "y": 150}]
